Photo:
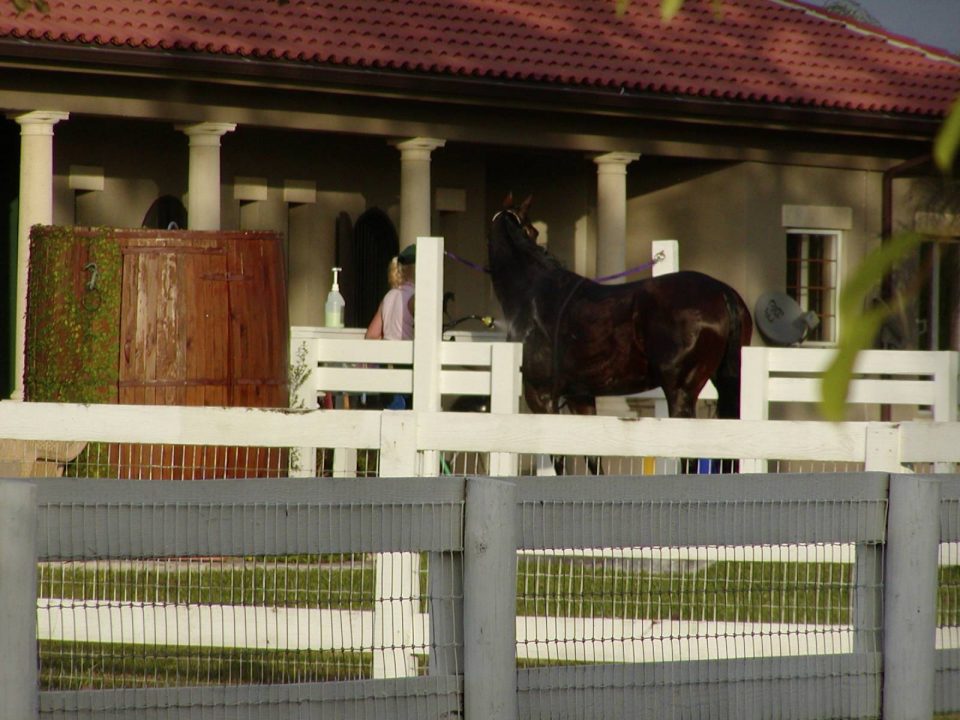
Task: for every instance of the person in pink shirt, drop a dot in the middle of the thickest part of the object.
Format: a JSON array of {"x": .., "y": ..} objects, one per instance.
[{"x": 394, "y": 318}]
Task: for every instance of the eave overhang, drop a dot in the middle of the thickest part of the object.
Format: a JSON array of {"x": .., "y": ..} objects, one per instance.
[{"x": 457, "y": 90}]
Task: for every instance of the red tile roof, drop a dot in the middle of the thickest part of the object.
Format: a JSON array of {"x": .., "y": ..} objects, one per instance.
[{"x": 758, "y": 51}]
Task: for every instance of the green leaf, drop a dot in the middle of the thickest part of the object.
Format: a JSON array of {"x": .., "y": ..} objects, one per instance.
[
  {"x": 871, "y": 271},
  {"x": 947, "y": 144},
  {"x": 669, "y": 8},
  {"x": 835, "y": 382},
  {"x": 859, "y": 327}
]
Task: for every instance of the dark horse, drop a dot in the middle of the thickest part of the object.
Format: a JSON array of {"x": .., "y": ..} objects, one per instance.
[{"x": 582, "y": 339}]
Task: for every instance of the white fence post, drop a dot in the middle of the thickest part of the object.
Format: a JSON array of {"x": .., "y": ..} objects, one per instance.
[
  {"x": 397, "y": 592},
  {"x": 18, "y": 599},
  {"x": 910, "y": 597},
  {"x": 489, "y": 600},
  {"x": 303, "y": 346},
  {"x": 428, "y": 334},
  {"x": 754, "y": 396},
  {"x": 428, "y": 317},
  {"x": 946, "y": 396},
  {"x": 883, "y": 448},
  {"x": 505, "y": 384},
  {"x": 671, "y": 257}
]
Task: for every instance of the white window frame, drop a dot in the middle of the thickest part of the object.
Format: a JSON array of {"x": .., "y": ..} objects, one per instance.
[{"x": 831, "y": 320}]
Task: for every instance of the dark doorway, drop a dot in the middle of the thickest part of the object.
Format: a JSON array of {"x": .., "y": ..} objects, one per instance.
[
  {"x": 939, "y": 307},
  {"x": 375, "y": 243},
  {"x": 166, "y": 213},
  {"x": 9, "y": 204}
]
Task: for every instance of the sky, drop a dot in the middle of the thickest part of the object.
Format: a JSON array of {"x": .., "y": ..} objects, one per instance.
[{"x": 933, "y": 22}]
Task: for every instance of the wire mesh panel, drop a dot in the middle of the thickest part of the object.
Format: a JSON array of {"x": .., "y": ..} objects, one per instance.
[
  {"x": 659, "y": 604},
  {"x": 542, "y": 464},
  {"x": 331, "y": 586},
  {"x": 200, "y": 621},
  {"x": 947, "y": 686},
  {"x": 153, "y": 461},
  {"x": 748, "y": 597},
  {"x": 814, "y": 466}
]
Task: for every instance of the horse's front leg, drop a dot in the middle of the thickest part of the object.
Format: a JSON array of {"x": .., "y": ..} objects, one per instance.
[
  {"x": 541, "y": 402},
  {"x": 538, "y": 400},
  {"x": 579, "y": 406},
  {"x": 586, "y": 406}
]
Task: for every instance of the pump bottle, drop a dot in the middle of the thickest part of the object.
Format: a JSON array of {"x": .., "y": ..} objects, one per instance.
[{"x": 333, "y": 310}]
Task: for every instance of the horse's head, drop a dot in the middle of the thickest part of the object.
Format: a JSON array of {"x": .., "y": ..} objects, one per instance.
[{"x": 512, "y": 224}]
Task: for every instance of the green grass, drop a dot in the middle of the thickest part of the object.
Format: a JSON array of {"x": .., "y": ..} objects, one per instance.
[
  {"x": 723, "y": 591},
  {"x": 817, "y": 593},
  {"x": 88, "y": 666},
  {"x": 345, "y": 585}
]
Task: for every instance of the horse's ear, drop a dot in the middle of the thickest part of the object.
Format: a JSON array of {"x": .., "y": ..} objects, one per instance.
[
  {"x": 508, "y": 201},
  {"x": 525, "y": 205}
]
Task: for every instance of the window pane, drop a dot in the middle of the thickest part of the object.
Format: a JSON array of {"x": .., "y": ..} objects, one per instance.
[{"x": 811, "y": 278}]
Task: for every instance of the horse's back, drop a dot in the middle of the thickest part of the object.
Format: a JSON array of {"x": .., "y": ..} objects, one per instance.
[{"x": 686, "y": 289}]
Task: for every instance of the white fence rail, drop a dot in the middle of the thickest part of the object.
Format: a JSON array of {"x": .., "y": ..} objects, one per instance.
[
  {"x": 880, "y": 377},
  {"x": 341, "y": 362},
  {"x": 401, "y": 435}
]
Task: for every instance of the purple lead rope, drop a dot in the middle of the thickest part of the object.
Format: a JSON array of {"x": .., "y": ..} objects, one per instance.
[
  {"x": 632, "y": 271},
  {"x": 468, "y": 263}
]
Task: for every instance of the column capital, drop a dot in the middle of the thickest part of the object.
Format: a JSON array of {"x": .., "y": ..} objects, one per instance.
[
  {"x": 418, "y": 147},
  {"x": 38, "y": 122},
  {"x": 206, "y": 133},
  {"x": 611, "y": 161}
]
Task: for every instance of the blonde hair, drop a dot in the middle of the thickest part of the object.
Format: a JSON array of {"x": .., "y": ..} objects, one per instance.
[
  {"x": 397, "y": 274},
  {"x": 394, "y": 273}
]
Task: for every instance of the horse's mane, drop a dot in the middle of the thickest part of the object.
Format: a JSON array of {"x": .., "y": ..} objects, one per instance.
[{"x": 527, "y": 248}]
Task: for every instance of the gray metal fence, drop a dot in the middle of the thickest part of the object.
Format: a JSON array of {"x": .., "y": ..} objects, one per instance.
[{"x": 809, "y": 596}]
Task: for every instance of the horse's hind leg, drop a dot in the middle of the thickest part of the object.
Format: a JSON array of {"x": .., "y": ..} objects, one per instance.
[
  {"x": 681, "y": 404},
  {"x": 728, "y": 407},
  {"x": 728, "y": 396}
]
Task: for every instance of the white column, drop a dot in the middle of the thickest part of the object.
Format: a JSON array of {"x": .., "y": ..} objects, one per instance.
[
  {"x": 203, "y": 193},
  {"x": 415, "y": 187},
  {"x": 36, "y": 208},
  {"x": 612, "y": 212}
]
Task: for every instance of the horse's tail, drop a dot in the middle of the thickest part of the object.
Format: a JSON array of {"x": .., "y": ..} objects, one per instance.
[{"x": 727, "y": 378}]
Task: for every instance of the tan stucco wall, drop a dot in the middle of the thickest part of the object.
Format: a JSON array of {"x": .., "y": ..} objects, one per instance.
[{"x": 726, "y": 216}]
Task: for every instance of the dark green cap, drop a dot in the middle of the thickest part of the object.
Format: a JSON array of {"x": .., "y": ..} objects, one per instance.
[{"x": 408, "y": 256}]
